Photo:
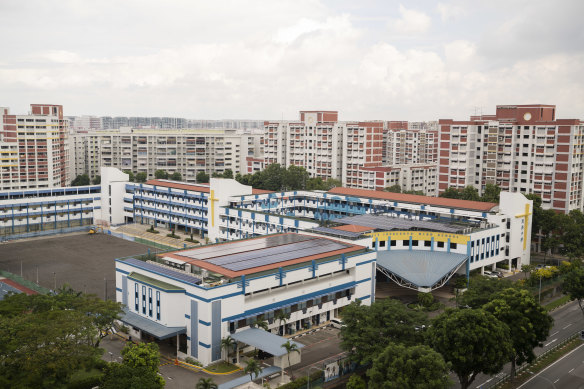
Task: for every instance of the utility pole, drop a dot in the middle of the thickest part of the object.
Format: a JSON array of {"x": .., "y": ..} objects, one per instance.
[
  {"x": 37, "y": 269},
  {"x": 105, "y": 291},
  {"x": 55, "y": 281}
]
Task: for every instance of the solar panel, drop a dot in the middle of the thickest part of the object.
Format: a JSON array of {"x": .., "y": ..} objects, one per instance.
[
  {"x": 333, "y": 231},
  {"x": 277, "y": 254},
  {"x": 391, "y": 223},
  {"x": 243, "y": 246},
  {"x": 163, "y": 270}
]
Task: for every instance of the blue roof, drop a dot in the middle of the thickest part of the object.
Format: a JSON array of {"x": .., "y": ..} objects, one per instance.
[
  {"x": 5, "y": 289},
  {"x": 421, "y": 268},
  {"x": 155, "y": 329},
  {"x": 245, "y": 378},
  {"x": 265, "y": 341}
]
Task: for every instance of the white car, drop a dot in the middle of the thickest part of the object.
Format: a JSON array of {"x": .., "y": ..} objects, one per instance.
[
  {"x": 337, "y": 323},
  {"x": 487, "y": 273}
]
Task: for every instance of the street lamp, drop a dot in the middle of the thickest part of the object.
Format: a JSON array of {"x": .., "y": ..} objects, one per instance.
[
  {"x": 539, "y": 298},
  {"x": 55, "y": 281},
  {"x": 308, "y": 375}
]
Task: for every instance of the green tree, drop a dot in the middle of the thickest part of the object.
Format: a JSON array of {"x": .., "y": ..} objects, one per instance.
[
  {"x": 470, "y": 193},
  {"x": 527, "y": 320},
  {"x": 356, "y": 382},
  {"x": 574, "y": 283},
  {"x": 96, "y": 180},
  {"x": 176, "y": 176},
  {"x": 141, "y": 354},
  {"x": 473, "y": 341},
  {"x": 161, "y": 174},
  {"x": 130, "y": 174},
  {"x": 252, "y": 368},
  {"x": 394, "y": 188},
  {"x": 80, "y": 180},
  {"x": 536, "y": 214},
  {"x": 451, "y": 193},
  {"x": 290, "y": 348},
  {"x": 332, "y": 183},
  {"x": 282, "y": 317},
  {"x": 481, "y": 290},
  {"x": 260, "y": 322},
  {"x": 369, "y": 329},
  {"x": 295, "y": 178},
  {"x": 272, "y": 177},
  {"x": 228, "y": 343},
  {"x": 414, "y": 192},
  {"x": 401, "y": 367},
  {"x": 527, "y": 269},
  {"x": 491, "y": 193},
  {"x": 141, "y": 177},
  {"x": 228, "y": 173},
  {"x": 425, "y": 299},
  {"x": 315, "y": 183},
  {"x": 202, "y": 177},
  {"x": 121, "y": 376},
  {"x": 206, "y": 383}
]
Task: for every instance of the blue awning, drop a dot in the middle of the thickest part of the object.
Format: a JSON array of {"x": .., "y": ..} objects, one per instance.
[
  {"x": 265, "y": 341},
  {"x": 421, "y": 268},
  {"x": 157, "y": 330}
]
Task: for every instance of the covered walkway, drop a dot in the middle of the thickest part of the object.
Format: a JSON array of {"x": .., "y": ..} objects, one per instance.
[
  {"x": 151, "y": 327},
  {"x": 419, "y": 270},
  {"x": 265, "y": 341}
]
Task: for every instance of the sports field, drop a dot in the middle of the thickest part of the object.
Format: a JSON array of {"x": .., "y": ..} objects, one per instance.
[{"x": 86, "y": 262}]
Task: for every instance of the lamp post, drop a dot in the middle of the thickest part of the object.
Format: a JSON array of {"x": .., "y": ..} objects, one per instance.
[
  {"x": 539, "y": 298},
  {"x": 308, "y": 375},
  {"x": 55, "y": 281}
]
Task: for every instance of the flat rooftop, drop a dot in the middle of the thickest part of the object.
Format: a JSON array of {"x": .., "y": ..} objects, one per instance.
[
  {"x": 248, "y": 256},
  {"x": 415, "y": 199},
  {"x": 203, "y": 188},
  {"x": 389, "y": 223}
]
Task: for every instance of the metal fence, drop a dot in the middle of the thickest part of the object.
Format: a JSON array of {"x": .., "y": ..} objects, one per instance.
[
  {"x": 506, "y": 377},
  {"x": 34, "y": 234}
]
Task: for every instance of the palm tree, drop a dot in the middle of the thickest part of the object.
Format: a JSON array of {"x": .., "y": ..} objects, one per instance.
[
  {"x": 227, "y": 343},
  {"x": 282, "y": 317},
  {"x": 206, "y": 383},
  {"x": 252, "y": 368},
  {"x": 260, "y": 323},
  {"x": 290, "y": 348}
]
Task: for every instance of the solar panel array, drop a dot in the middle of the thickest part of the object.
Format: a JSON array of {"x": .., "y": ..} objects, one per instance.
[
  {"x": 383, "y": 222},
  {"x": 333, "y": 231},
  {"x": 163, "y": 270},
  {"x": 271, "y": 255},
  {"x": 243, "y": 246}
]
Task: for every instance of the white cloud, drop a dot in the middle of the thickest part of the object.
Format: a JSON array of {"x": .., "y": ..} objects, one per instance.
[
  {"x": 450, "y": 11},
  {"x": 410, "y": 22}
]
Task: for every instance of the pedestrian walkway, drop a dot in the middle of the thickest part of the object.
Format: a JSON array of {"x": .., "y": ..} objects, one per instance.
[{"x": 140, "y": 231}]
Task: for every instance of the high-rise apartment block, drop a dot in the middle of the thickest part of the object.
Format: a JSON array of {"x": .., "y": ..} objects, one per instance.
[
  {"x": 522, "y": 148},
  {"x": 185, "y": 151},
  {"x": 417, "y": 177},
  {"x": 404, "y": 145},
  {"x": 324, "y": 146},
  {"x": 32, "y": 148}
]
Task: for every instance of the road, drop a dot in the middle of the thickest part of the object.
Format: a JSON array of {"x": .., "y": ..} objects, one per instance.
[
  {"x": 566, "y": 372},
  {"x": 567, "y": 320}
]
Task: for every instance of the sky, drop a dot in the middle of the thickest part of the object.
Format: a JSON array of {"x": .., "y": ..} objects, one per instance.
[{"x": 369, "y": 59}]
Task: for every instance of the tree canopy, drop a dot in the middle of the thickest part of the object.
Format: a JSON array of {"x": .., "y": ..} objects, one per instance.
[
  {"x": 369, "y": 329},
  {"x": 415, "y": 367},
  {"x": 202, "y": 178},
  {"x": 176, "y": 176},
  {"x": 161, "y": 174},
  {"x": 473, "y": 341},
  {"x": 141, "y": 177},
  {"x": 528, "y": 322},
  {"x": 45, "y": 338},
  {"x": 139, "y": 368},
  {"x": 276, "y": 177},
  {"x": 80, "y": 180},
  {"x": 481, "y": 290},
  {"x": 574, "y": 283},
  {"x": 490, "y": 193}
]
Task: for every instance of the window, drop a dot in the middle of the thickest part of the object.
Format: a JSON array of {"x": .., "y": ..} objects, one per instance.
[
  {"x": 393, "y": 243},
  {"x": 157, "y": 305},
  {"x": 150, "y": 302},
  {"x": 440, "y": 244},
  {"x": 414, "y": 243},
  {"x": 453, "y": 246},
  {"x": 136, "y": 299},
  {"x": 427, "y": 243},
  {"x": 143, "y": 300},
  {"x": 406, "y": 242},
  {"x": 382, "y": 243}
]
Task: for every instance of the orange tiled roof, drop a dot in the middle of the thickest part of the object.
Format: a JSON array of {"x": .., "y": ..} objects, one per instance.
[
  {"x": 353, "y": 228},
  {"x": 417, "y": 199}
]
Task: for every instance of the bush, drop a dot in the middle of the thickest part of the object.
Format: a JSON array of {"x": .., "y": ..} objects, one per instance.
[
  {"x": 503, "y": 266},
  {"x": 301, "y": 382},
  {"x": 173, "y": 236},
  {"x": 152, "y": 230},
  {"x": 85, "y": 382},
  {"x": 192, "y": 361},
  {"x": 191, "y": 240}
]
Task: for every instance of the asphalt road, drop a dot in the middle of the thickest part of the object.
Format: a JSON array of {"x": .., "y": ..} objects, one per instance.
[
  {"x": 567, "y": 320},
  {"x": 566, "y": 372}
]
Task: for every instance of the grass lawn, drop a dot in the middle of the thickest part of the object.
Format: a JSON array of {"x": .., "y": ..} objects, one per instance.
[{"x": 221, "y": 367}]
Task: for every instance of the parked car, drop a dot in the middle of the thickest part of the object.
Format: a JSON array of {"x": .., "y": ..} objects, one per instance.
[
  {"x": 487, "y": 273},
  {"x": 497, "y": 273},
  {"x": 337, "y": 323}
]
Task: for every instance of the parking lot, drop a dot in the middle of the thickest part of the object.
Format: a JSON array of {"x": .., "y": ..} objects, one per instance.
[{"x": 85, "y": 262}]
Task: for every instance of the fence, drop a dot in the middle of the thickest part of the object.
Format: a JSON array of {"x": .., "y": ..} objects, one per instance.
[
  {"x": 507, "y": 376},
  {"x": 23, "y": 282},
  {"x": 147, "y": 242},
  {"x": 34, "y": 234}
]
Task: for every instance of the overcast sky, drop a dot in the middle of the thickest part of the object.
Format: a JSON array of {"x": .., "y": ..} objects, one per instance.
[{"x": 368, "y": 59}]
